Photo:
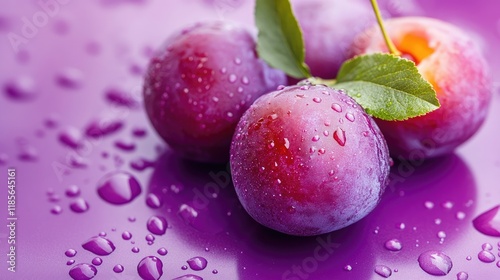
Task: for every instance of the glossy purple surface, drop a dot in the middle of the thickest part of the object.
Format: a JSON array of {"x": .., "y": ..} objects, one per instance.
[{"x": 429, "y": 206}]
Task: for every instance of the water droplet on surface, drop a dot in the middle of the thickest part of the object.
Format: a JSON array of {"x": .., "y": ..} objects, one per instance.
[
  {"x": 393, "y": 245},
  {"x": 56, "y": 210},
  {"x": 487, "y": 247},
  {"x": 184, "y": 267},
  {"x": 460, "y": 215},
  {"x": 80, "y": 205},
  {"x": 28, "y": 153},
  {"x": 99, "y": 245},
  {"x": 486, "y": 256},
  {"x": 97, "y": 261},
  {"x": 232, "y": 78},
  {"x": 448, "y": 205},
  {"x": 215, "y": 271},
  {"x": 347, "y": 268},
  {"x": 197, "y": 263},
  {"x": 350, "y": 117},
  {"x": 157, "y": 225},
  {"x": 120, "y": 98},
  {"x": 315, "y": 138},
  {"x": 188, "y": 277},
  {"x": 336, "y": 107},
  {"x": 468, "y": 258},
  {"x": 135, "y": 249},
  {"x": 139, "y": 132},
  {"x": 101, "y": 128},
  {"x": 22, "y": 88},
  {"x": 118, "y": 268},
  {"x": 83, "y": 271},
  {"x": 383, "y": 271},
  {"x": 71, "y": 137},
  {"x": 150, "y": 268},
  {"x": 70, "y": 78},
  {"x": 441, "y": 234},
  {"x": 150, "y": 237},
  {"x": 118, "y": 188},
  {"x": 70, "y": 262},
  {"x": 72, "y": 191},
  {"x": 462, "y": 275},
  {"x": 488, "y": 223},
  {"x": 435, "y": 263},
  {"x": 162, "y": 251},
  {"x": 126, "y": 235},
  {"x": 317, "y": 99},
  {"x": 154, "y": 201},
  {"x": 339, "y": 136},
  {"x": 141, "y": 164},
  {"x": 70, "y": 253},
  {"x": 245, "y": 80},
  {"x": 125, "y": 145}
]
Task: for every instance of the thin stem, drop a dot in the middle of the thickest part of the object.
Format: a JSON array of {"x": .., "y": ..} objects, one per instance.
[{"x": 388, "y": 41}]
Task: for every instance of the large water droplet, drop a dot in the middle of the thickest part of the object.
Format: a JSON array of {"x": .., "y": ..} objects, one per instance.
[
  {"x": 99, "y": 245},
  {"x": 435, "y": 263},
  {"x": 83, "y": 271},
  {"x": 197, "y": 263},
  {"x": 336, "y": 107},
  {"x": 489, "y": 222},
  {"x": 350, "y": 117},
  {"x": 157, "y": 225},
  {"x": 150, "y": 268},
  {"x": 162, "y": 251},
  {"x": 393, "y": 245},
  {"x": 118, "y": 188},
  {"x": 486, "y": 256},
  {"x": 383, "y": 271},
  {"x": 80, "y": 205},
  {"x": 339, "y": 136}
]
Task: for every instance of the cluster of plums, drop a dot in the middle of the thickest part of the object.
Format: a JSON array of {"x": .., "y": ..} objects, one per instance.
[{"x": 307, "y": 159}]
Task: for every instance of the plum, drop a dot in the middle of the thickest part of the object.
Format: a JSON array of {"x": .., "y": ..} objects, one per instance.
[
  {"x": 451, "y": 61},
  {"x": 307, "y": 160},
  {"x": 199, "y": 84},
  {"x": 329, "y": 28}
]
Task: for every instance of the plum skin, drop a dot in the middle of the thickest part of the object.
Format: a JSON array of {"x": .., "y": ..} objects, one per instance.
[
  {"x": 326, "y": 38},
  {"x": 199, "y": 84},
  {"x": 301, "y": 167},
  {"x": 453, "y": 64}
]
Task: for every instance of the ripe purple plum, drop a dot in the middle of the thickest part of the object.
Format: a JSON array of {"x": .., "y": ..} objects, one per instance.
[
  {"x": 329, "y": 28},
  {"x": 451, "y": 61},
  {"x": 199, "y": 84},
  {"x": 307, "y": 160}
]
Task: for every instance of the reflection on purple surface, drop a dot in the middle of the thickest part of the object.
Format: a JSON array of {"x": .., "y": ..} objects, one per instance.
[{"x": 62, "y": 133}]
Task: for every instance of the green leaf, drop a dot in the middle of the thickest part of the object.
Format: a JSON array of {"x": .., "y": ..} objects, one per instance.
[
  {"x": 388, "y": 87},
  {"x": 280, "y": 41}
]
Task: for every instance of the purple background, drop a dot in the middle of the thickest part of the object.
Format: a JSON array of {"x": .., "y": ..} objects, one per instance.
[{"x": 108, "y": 41}]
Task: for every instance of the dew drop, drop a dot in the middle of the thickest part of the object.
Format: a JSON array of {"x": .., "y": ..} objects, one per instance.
[
  {"x": 83, "y": 271},
  {"x": 350, "y": 117},
  {"x": 488, "y": 223},
  {"x": 139, "y": 132},
  {"x": 56, "y": 210},
  {"x": 154, "y": 201},
  {"x": 336, "y": 107},
  {"x": 135, "y": 249},
  {"x": 462, "y": 275},
  {"x": 71, "y": 78},
  {"x": 197, "y": 263},
  {"x": 215, "y": 271},
  {"x": 460, "y": 215},
  {"x": 72, "y": 191},
  {"x": 118, "y": 188},
  {"x": 393, "y": 245},
  {"x": 118, "y": 97},
  {"x": 70, "y": 262},
  {"x": 317, "y": 99},
  {"x": 71, "y": 137},
  {"x": 97, "y": 261},
  {"x": 126, "y": 235},
  {"x": 339, "y": 136},
  {"x": 118, "y": 268},
  {"x": 487, "y": 247},
  {"x": 99, "y": 245},
  {"x": 70, "y": 253},
  {"x": 435, "y": 263},
  {"x": 22, "y": 88},
  {"x": 232, "y": 78},
  {"x": 315, "y": 138},
  {"x": 141, "y": 164},
  {"x": 157, "y": 225},
  {"x": 101, "y": 128},
  {"x": 80, "y": 205},
  {"x": 245, "y": 80},
  {"x": 125, "y": 145},
  {"x": 486, "y": 256},
  {"x": 28, "y": 153},
  {"x": 189, "y": 277},
  {"x": 383, "y": 271},
  {"x": 162, "y": 251},
  {"x": 347, "y": 268}
]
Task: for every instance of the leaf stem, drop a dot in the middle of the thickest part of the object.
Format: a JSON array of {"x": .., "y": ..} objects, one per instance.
[{"x": 388, "y": 41}]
